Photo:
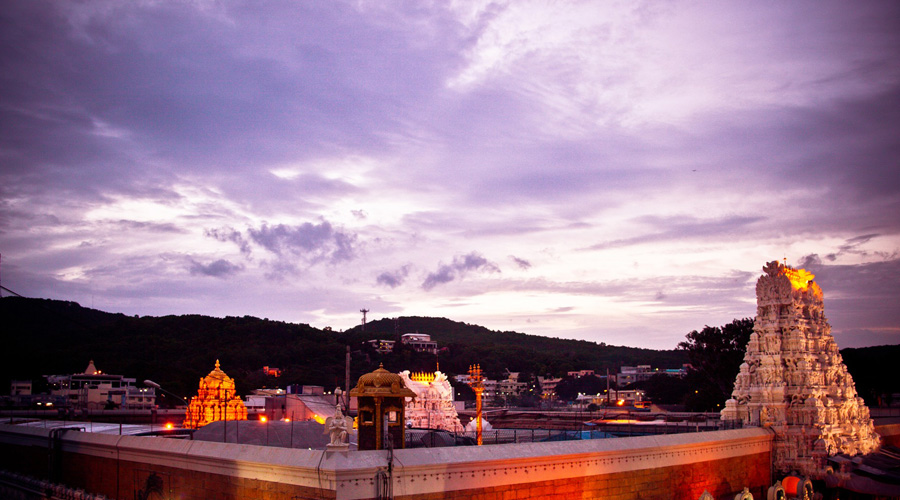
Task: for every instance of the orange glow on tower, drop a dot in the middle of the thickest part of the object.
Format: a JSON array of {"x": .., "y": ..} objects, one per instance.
[{"x": 800, "y": 278}]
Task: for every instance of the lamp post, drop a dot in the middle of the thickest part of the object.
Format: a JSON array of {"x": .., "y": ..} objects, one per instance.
[
  {"x": 476, "y": 381},
  {"x": 156, "y": 386},
  {"x": 150, "y": 383}
]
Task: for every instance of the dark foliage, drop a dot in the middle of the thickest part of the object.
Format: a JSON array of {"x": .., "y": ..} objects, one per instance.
[
  {"x": 869, "y": 367},
  {"x": 44, "y": 337},
  {"x": 497, "y": 352},
  {"x": 569, "y": 387},
  {"x": 715, "y": 355},
  {"x": 666, "y": 390},
  {"x": 56, "y": 337}
]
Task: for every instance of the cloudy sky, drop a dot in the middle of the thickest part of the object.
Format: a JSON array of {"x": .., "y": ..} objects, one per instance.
[{"x": 612, "y": 171}]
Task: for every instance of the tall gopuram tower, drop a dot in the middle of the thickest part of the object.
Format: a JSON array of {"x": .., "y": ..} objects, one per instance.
[{"x": 793, "y": 379}]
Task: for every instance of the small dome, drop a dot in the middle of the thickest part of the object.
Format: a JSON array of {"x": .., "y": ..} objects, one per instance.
[
  {"x": 216, "y": 376},
  {"x": 381, "y": 382}
]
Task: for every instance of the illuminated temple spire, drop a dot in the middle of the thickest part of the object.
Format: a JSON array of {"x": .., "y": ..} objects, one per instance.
[
  {"x": 215, "y": 400},
  {"x": 793, "y": 379}
]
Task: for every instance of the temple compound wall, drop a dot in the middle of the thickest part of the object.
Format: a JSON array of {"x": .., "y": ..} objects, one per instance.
[{"x": 679, "y": 466}]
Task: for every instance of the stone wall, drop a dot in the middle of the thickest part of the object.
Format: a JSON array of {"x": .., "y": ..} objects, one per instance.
[{"x": 663, "y": 467}]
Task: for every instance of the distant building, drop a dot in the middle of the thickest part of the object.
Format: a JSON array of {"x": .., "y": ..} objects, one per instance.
[
  {"x": 581, "y": 373},
  {"x": 381, "y": 345},
  {"x": 615, "y": 398},
  {"x": 420, "y": 342},
  {"x": 94, "y": 389},
  {"x": 499, "y": 391},
  {"x": 20, "y": 388},
  {"x": 630, "y": 374},
  {"x": 548, "y": 386},
  {"x": 315, "y": 390},
  {"x": 271, "y": 371}
]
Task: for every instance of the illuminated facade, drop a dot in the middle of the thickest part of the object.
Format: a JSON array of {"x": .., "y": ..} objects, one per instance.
[
  {"x": 793, "y": 379},
  {"x": 216, "y": 400},
  {"x": 432, "y": 407},
  {"x": 420, "y": 342}
]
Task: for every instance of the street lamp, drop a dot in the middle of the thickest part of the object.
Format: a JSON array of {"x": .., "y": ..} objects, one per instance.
[{"x": 156, "y": 386}]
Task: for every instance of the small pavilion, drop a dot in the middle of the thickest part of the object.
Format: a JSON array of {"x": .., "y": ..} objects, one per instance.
[{"x": 382, "y": 409}]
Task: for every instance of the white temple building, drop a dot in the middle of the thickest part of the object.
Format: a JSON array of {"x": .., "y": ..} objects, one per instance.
[
  {"x": 433, "y": 406},
  {"x": 793, "y": 379}
]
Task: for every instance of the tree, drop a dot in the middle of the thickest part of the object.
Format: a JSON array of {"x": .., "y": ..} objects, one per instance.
[
  {"x": 716, "y": 354},
  {"x": 665, "y": 389},
  {"x": 569, "y": 387}
]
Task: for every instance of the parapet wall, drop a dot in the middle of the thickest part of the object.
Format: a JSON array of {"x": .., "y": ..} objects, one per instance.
[{"x": 663, "y": 467}]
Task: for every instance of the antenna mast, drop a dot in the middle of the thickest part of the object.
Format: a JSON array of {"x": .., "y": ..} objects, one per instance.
[{"x": 364, "y": 311}]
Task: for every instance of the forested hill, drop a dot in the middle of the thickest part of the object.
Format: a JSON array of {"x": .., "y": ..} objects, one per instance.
[
  {"x": 463, "y": 344},
  {"x": 44, "y": 337}
]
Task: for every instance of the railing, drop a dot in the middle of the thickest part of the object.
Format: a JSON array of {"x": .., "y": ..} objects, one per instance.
[{"x": 417, "y": 438}]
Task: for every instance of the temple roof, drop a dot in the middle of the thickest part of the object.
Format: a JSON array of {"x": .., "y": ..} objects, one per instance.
[
  {"x": 216, "y": 377},
  {"x": 381, "y": 383}
]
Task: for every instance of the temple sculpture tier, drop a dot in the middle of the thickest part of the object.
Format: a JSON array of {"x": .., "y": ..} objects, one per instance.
[
  {"x": 793, "y": 379},
  {"x": 432, "y": 407},
  {"x": 216, "y": 400}
]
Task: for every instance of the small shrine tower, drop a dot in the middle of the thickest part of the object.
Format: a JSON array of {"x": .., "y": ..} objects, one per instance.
[
  {"x": 216, "y": 400},
  {"x": 380, "y": 396}
]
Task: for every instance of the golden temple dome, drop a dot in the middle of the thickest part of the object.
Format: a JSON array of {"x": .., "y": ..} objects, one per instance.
[
  {"x": 381, "y": 382},
  {"x": 217, "y": 377},
  {"x": 215, "y": 400}
]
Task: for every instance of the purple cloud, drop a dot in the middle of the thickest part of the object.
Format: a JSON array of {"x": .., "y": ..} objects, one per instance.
[
  {"x": 521, "y": 263},
  {"x": 217, "y": 269},
  {"x": 460, "y": 266},
  {"x": 393, "y": 279},
  {"x": 314, "y": 241}
]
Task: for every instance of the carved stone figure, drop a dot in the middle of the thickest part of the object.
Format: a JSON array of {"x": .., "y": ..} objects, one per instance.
[
  {"x": 793, "y": 378},
  {"x": 338, "y": 427}
]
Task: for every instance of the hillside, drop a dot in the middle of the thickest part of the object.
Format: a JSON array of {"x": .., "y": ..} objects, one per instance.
[
  {"x": 44, "y": 337},
  {"x": 51, "y": 337},
  {"x": 497, "y": 351}
]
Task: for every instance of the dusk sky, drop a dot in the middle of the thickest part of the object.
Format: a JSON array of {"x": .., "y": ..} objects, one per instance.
[{"x": 612, "y": 171}]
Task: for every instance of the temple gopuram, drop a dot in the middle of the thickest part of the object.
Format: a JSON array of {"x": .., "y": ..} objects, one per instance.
[
  {"x": 793, "y": 379},
  {"x": 216, "y": 400},
  {"x": 432, "y": 407}
]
